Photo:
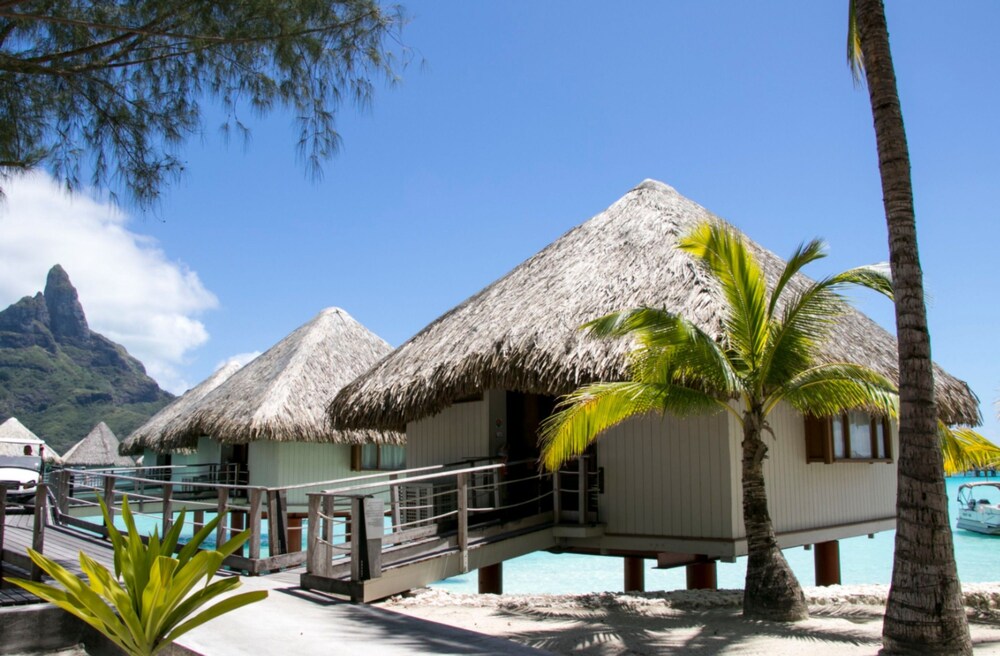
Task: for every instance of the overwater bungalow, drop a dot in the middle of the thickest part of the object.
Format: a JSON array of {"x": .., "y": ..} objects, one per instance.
[
  {"x": 478, "y": 381},
  {"x": 269, "y": 417},
  {"x": 98, "y": 449}
]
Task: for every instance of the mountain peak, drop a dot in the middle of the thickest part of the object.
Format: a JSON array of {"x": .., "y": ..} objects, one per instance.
[{"x": 66, "y": 317}]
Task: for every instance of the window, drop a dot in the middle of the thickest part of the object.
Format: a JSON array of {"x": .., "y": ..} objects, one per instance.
[
  {"x": 377, "y": 457},
  {"x": 852, "y": 436}
]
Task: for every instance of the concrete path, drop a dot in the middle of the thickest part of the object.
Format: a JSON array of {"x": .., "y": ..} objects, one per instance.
[{"x": 301, "y": 622}]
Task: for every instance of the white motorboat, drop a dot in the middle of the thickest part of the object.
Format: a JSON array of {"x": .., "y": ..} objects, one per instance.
[{"x": 979, "y": 507}]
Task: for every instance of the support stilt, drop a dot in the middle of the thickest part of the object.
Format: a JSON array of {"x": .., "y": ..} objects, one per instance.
[
  {"x": 491, "y": 579},
  {"x": 702, "y": 576},
  {"x": 635, "y": 574},
  {"x": 826, "y": 555}
]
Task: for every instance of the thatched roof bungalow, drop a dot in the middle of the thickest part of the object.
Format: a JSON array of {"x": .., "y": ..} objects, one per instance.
[
  {"x": 14, "y": 436},
  {"x": 98, "y": 449},
  {"x": 480, "y": 378},
  {"x": 270, "y": 415}
]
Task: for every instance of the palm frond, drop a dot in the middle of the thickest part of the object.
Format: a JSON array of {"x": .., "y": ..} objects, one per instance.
[
  {"x": 803, "y": 255},
  {"x": 585, "y": 414},
  {"x": 726, "y": 256},
  {"x": 855, "y": 58},
  {"x": 831, "y": 389},
  {"x": 965, "y": 449}
]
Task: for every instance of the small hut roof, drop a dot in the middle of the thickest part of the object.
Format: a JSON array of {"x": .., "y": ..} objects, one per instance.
[
  {"x": 521, "y": 332},
  {"x": 174, "y": 418},
  {"x": 282, "y": 395},
  {"x": 98, "y": 449},
  {"x": 14, "y": 436}
]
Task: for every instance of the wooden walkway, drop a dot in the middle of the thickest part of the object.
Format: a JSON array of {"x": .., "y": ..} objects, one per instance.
[{"x": 61, "y": 545}]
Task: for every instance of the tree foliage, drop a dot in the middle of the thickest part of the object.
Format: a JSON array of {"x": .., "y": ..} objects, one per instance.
[{"x": 108, "y": 89}]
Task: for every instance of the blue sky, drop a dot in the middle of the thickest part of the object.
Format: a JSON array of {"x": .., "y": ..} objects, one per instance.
[{"x": 517, "y": 121}]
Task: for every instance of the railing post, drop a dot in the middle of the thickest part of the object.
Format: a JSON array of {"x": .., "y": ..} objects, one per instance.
[
  {"x": 221, "y": 535},
  {"x": 38, "y": 529},
  {"x": 312, "y": 536},
  {"x": 168, "y": 507},
  {"x": 394, "y": 503},
  {"x": 556, "y": 497},
  {"x": 256, "y": 512},
  {"x": 276, "y": 522},
  {"x": 62, "y": 492},
  {"x": 367, "y": 517},
  {"x": 463, "y": 520},
  {"x": 326, "y": 553},
  {"x": 109, "y": 496},
  {"x": 581, "y": 468}
]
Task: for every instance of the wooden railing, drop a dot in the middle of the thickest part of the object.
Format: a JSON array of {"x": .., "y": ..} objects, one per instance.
[{"x": 356, "y": 530}]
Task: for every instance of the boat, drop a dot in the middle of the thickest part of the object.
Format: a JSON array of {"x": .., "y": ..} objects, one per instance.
[{"x": 979, "y": 507}]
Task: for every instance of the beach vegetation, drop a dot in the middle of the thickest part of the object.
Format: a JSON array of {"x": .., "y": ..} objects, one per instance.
[
  {"x": 767, "y": 354},
  {"x": 924, "y": 611},
  {"x": 153, "y": 597}
]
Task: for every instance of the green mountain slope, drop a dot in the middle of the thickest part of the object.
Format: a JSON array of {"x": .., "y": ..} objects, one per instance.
[{"x": 60, "y": 379}]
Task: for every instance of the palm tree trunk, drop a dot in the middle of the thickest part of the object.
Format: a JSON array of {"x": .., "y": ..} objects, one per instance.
[
  {"x": 771, "y": 591},
  {"x": 924, "y": 613}
]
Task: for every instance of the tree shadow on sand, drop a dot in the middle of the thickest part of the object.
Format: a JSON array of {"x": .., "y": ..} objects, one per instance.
[{"x": 664, "y": 630}]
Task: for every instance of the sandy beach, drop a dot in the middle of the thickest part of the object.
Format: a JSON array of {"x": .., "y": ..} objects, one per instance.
[{"x": 844, "y": 620}]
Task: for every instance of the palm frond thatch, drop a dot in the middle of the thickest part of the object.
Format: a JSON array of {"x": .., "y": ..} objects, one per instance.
[
  {"x": 98, "y": 449},
  {"x": 175, "y": 417},
  {"x": 521, "y": 332}
]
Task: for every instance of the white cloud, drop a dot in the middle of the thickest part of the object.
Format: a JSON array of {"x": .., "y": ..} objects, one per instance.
[
  {"x": 240, "y": 358},
  {"x": 130, "y": 290}
]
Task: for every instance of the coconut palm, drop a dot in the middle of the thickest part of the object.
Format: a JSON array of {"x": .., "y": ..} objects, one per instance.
[
  {"x": 965, "y": 449},
  {"x": 924, "y": 612},
  {"x": 767, "y": 354}
]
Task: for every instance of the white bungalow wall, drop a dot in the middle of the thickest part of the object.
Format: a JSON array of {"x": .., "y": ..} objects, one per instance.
[
  {"x": 668, "y": 477},
  {"x": 461, "y": 431},
  {"x": 280, "y": 464},
  {"x": 841, "y": 497},
  {"x": 207, "y": 452}
]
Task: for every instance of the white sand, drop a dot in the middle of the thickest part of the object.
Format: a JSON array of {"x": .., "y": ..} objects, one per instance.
[{"x": 844, "y": 620}]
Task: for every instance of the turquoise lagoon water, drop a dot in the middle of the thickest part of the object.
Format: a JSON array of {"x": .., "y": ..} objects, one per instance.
[{"x": 862, "y": 560}]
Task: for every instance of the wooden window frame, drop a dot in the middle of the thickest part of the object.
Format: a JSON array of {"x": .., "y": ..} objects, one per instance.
[
  {"x": 819, "y": 439},
  {"x": 356, "y": 458}
]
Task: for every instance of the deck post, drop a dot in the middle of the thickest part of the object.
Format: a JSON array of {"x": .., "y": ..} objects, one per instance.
[
  {"x": 220, "y": 528},
  {"x": 463, "y": 520},
  {"x": 491, "y": 579},
  {"x": 277, "y": 518},
  {"x": 109, "y": 496},
  {"x": 168, "y": 507},
  {"x": 38, "y": 529},
  {"x": 294, "y": 532},
  {"x": 581, "y": 468},
  {"x": 556, "y": 497},
  {"x": 256, "y": 512},
  {"x": 62, "y": 492},
  {"x": 702, "y": 575},
  {"x": 199, "y": 519},
  {"x": 328, "y": 507},
  {"x": 635, "y": 574},
  {"x": 368, "y": 519},
  {"x": 826, "y": 557}
]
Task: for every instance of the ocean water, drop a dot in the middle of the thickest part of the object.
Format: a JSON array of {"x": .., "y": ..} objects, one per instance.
[{"x": 862, "y": 560}]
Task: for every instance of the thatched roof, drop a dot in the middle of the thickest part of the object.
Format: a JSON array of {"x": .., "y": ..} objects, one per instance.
[
  {"x": 175, "y": 417},
  {"x": 520, "y": 333},
  {"x": 98, "y": 449},
  {"x": 14, "y": 436},
  {"x": 282, "y": 395}
]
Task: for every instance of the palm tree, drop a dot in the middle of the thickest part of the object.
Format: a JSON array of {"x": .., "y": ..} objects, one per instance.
[
  {"x": 766, "y": 355},
  {"x": 924, "y": 612},
  {"x": 965, "y": 449}
]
